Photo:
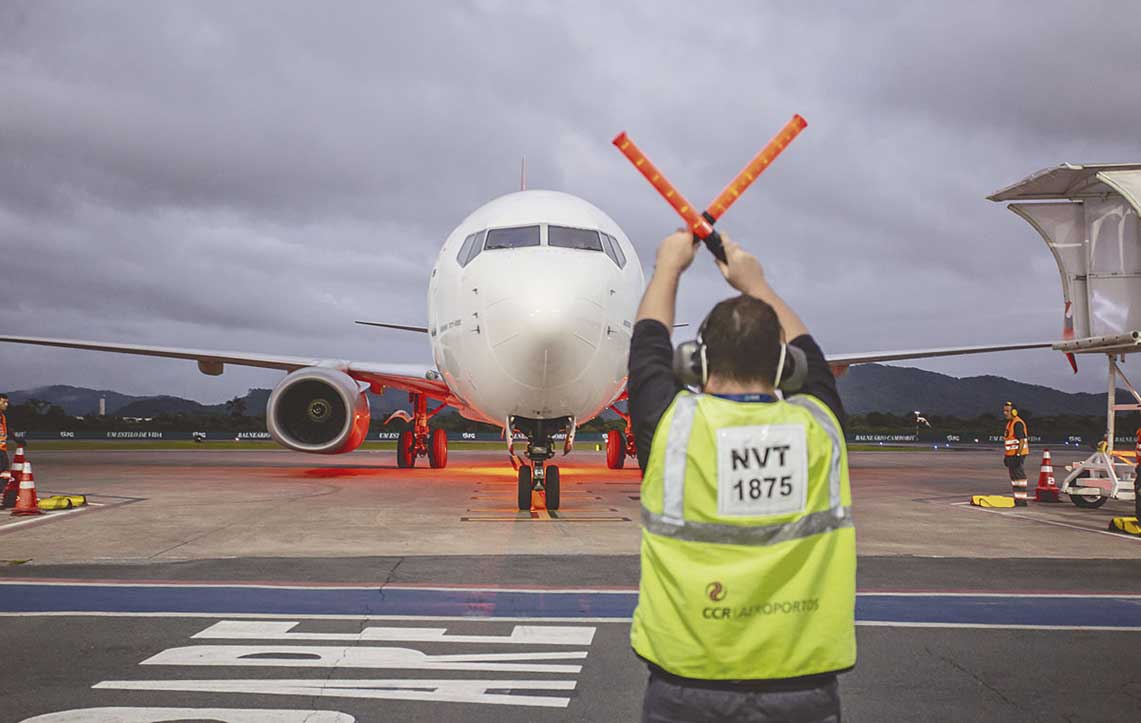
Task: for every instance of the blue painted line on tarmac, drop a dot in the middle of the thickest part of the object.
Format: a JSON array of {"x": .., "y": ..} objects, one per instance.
[
  {"x": 1037, "y": 610},
  {"x": 889, "y": 608}
]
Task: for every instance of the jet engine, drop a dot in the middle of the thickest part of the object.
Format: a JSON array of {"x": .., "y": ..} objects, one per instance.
[{"x": 318, "y": 410}]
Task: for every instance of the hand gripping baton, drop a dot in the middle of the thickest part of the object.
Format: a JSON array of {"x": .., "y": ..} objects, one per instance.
[{"x": 702, "y": 223}]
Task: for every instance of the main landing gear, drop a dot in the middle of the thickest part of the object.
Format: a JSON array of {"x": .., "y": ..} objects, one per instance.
[
  {"x": 620, "y": 445},
  {"x": 420, "y": 441},
  {"x": 538, "y": 475}
]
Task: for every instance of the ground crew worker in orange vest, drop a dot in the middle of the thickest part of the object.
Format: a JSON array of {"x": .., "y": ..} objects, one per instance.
[
  {"x": 1016, "y": 445},
  {"x": 1137, "y": 480},
  {"x": 9, "y": 499},
  {"x": 3, "y": 432}
]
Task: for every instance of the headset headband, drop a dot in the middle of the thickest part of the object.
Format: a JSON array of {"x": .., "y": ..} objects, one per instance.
[{"x": 702, "y": 347}]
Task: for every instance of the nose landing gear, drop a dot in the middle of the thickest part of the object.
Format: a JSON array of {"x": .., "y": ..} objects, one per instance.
[{"x": 539, "y": 476}]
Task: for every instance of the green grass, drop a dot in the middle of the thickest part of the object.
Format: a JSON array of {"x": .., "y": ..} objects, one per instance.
[
  {"x": 215, "y": 446},
  {"x": 112, "y": 445},
  {"x": 887, "y": 448}
]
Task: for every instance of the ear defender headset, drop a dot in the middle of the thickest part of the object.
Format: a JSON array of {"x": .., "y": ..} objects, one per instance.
[
  {"x": 691, "y": 364},
  {"x": 1013, "y": 409}
]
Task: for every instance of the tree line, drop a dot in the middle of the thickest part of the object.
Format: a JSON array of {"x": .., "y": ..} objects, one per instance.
[
  {"x": 37, "y": 415},
  {"x": 1056, "y": 427}
]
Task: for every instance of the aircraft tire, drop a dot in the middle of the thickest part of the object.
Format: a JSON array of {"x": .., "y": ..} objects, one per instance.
[
  {"x": 1087, "y": 503},
  {"x": 551, "y": 484},
  {"x": 405, "y": 446},
  {"x": 615, "y": 449},
  {"x": 524, "y": 487},
  {"x": 438, "y": 449}
]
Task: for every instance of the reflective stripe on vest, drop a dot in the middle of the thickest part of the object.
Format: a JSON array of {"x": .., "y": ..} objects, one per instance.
[
  {"x": 672, "y": 523},
  {"x": 1013, "y": 445}
]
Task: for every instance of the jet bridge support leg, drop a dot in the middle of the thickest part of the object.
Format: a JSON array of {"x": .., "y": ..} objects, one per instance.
[{"x": 1105, "y": 475}]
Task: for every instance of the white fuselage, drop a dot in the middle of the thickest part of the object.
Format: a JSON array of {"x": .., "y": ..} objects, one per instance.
[{"x": 529, "y": 328}]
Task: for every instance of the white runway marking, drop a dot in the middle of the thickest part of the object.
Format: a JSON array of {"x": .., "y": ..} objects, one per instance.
[
  {"x": 520, "y": 635},
  {"x": 158, "y": 715},
  {"x": 324, "y": 616},
  {"x": 433, "y": 691},
  {"x": 319, "y": 656},
  {"x": 1048, "y": 522},
  {"x": 45, "y": 517}
]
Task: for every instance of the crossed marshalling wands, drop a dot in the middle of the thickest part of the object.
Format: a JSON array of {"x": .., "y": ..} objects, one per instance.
[{"x": 702, "y": 223}]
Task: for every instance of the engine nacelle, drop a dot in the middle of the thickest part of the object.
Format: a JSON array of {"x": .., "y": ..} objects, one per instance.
[{"x": 318, "y": 410}]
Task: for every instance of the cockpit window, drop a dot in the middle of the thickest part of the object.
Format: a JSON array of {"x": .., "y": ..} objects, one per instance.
[
  {"x": 461, "y": 257},
  {"x": 621, "y": 256},
  {"x": 512, "y": 238},
  {"x": 476, "y": 247},
  {"x": 573, "y": 238},
  {"x": 608, "y": 247},
  {"x": 472, "y": 246}
]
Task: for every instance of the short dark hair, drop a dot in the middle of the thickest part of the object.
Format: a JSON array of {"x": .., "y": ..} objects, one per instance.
[
  {"x": 742, "y": 338},
  {"x": 3, "y": 395}
]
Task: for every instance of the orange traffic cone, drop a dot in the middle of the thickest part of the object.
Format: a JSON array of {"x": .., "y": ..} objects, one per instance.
[
  {"x": 26, "y": 502},
  {"x": 8, "y": 496},
  {"x": 1047, "y": 489}
]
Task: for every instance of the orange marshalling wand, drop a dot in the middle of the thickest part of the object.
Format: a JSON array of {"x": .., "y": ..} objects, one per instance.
[
  {"x": 696, "y": 222},
  {"x": 702, "y": 223},
  {"x": 756, "y": 167}
]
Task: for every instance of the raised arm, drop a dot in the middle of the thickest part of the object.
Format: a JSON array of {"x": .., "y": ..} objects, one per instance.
[{"x": 675, "y": 254}]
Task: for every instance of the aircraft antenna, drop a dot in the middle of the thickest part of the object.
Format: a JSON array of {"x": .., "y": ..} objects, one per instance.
[{"x": 523, "y": 174}]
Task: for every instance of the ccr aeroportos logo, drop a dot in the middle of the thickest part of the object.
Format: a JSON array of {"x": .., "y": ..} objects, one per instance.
[{"x": 715, "y": 591}]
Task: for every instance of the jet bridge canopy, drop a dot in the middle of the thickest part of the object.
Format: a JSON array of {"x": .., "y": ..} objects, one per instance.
[{"x": 1088, "y": 217}]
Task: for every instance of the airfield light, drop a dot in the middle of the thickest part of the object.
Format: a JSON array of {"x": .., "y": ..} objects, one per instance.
[
  {"x": 756, "y": 167},
  {"x": 702, "y": 223}
]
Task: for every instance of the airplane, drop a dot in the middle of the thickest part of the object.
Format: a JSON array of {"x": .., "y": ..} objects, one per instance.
[{"x": 531, "y": 305}]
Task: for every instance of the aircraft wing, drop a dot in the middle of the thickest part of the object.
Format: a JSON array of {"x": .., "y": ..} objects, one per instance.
[
  {"x": 410, "y": 377},
  {"x": 843, "y": 361}
]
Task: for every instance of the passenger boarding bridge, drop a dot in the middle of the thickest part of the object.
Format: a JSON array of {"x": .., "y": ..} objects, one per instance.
[{"x": 1088, "y": 217}]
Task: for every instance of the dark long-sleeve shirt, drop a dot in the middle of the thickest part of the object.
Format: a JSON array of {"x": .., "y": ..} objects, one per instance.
[{"x": 653, "y": 386}]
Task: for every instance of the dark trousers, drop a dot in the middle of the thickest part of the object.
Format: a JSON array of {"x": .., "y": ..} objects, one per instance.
[
  {"x": 1014, "y": 467},
  {"x": 6, "y": 500},
  {"x": 669, "y": 701}
]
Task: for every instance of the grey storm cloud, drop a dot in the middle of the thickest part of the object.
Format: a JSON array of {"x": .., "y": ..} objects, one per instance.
[{"x": 256, "y": 175}]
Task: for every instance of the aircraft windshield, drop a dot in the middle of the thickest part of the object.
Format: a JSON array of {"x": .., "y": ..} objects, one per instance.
[
  {"x": 614, "y": 250},
  {"x": 573, "y": 238},
  {"x": 512, "y": 238}
]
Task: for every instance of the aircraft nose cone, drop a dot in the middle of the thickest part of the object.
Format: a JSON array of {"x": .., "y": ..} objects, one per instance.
[{"x": 545, "y": 332}]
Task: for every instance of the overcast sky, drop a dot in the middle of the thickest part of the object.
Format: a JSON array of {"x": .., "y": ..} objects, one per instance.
[{"x": 255, "y": 176}]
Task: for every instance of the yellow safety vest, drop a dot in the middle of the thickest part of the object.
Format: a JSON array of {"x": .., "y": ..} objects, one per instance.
[{"x": 748, "y": 545}]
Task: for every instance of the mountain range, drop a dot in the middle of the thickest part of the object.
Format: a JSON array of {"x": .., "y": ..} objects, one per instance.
[{"x": 865, "y": 388}]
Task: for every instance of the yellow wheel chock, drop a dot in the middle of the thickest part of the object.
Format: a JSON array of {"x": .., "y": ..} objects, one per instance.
[
  {"x": 1125, "y": 525},
  {"x": 1002, "y": 501},
  {"x": 62, "y": 502}
]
